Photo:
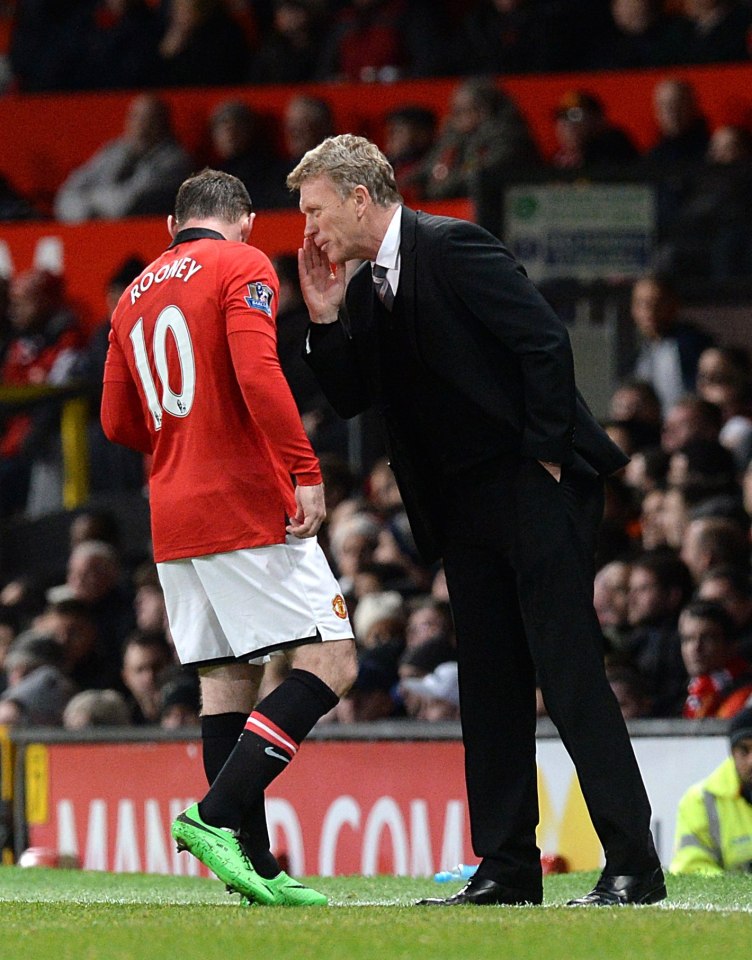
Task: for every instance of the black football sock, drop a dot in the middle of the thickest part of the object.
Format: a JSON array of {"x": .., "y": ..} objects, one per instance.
[
  {"x": 270, "y": 740},
  {"x": 219, "y": 735}
]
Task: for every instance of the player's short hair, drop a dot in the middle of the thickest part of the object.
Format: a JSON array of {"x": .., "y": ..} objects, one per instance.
[
  {"x": 212, "y": 193},
  {"x": 349, "y": 161}
]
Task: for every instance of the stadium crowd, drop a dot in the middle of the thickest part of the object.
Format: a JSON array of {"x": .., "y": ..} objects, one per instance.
[
  {"x": 673, "y": 592},
  {"x": 130, "y": 44}
]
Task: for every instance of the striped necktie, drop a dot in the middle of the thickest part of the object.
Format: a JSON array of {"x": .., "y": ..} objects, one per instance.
[{"x": 383, "y": 288}]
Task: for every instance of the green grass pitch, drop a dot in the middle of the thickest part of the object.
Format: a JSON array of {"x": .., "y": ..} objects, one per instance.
[{"x": 78, "y": 915}]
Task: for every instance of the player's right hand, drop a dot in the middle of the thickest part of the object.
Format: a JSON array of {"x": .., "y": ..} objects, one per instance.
[{"x": 311, "y": 511}]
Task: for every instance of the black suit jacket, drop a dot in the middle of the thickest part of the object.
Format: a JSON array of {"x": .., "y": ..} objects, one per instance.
[{"x": 476, "y": 322}]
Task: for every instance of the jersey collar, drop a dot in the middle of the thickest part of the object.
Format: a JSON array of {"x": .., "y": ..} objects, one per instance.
[{"x": 195, "y": 233}]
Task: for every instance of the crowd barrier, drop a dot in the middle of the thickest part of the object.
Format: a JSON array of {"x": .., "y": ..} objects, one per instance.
[{"x": 384, "y": 798}]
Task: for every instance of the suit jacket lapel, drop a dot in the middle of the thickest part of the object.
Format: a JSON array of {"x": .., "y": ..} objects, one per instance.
[
  {"x": 362, "y": 305},
  {"x": 405, "y": 301}
]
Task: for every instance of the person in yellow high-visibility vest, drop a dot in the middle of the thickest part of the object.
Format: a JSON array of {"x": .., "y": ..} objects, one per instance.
[{"x": 714, "y": 819}]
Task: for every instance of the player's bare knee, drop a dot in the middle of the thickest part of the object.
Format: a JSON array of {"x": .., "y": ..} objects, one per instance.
[
  {"x": 347, "y": 662},
  {"x": 335, "y": 662},
  {"x": 229, "y": 688}
]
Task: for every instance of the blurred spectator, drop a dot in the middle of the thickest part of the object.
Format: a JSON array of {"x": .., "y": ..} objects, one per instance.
[
  {"x": 720, "y": 681},
  {"x": 710, "y": 234},
  {"x": 96, "y": 708},
  {"x": 439, "y": 591},
  {"x": 352, "y": 544},
  {"x": 202, "y": 46},
  {"x": 619, "y": 533},
  {"x": 38, "y": 699},
  {"x": 410, "y": 133},
  {"x": 134, "y": 175},
  {"x": 586, "y": 137},
  {"x": 149, "y": 602},
  {"x": 712, "y": 542},
  {"x": 376, "y": 608},
  {"x": 242, "y": 147},
  {"x": 117, "y": 43},
  {"x": 643, "y": 34},
  {"x": 373, "y": 695},
  {"x": 306, "y": 122},
  {"x": 419, "y": 660},
  {"x": 428, "y": 619},
  {"x": 659, "y": 586},
  {"x": 145, "y": 657},
  {"x": 647, "y": 469},
  {"x": 180, "y": 703},
  {"x": 112, "y": 467},
  {"x": 24, "y": 597},
  {"x": 720, "y": 31},
  {"x": 702, "y": 469},
  {"x": 669, "y": 349},
  {"x": 383, "y": 493},
  {"x": 383, "y": 40},
  {"x": 326, "y": 431},
  {"x": 44, "y": 44},
  {"x": 676, "y": 517},
  {"x": 611, "y": 602},
  {"x": 72, "y": 625},
  {"x": 29, "y": 651},
  {"x": 376, "y": 578},
  {"x": 438, "y": 693},
  {"x": 714, "y": 819},
  {"x": 635, "y": 400},
  {"x": 290, "y": 48},
  {"x": 683, "y": 138},
  {"x": 94, "y": 577},
  {"x": 507, "y": 36},
  {"x": 683, "y": 134},
  {"x": 724, "y": 378},
  {"x": 690, "y": 418},
  {"x": 42, "y": 351},
  {"x": 396, "y": 548},
  {"x": 730, "y": 586},
  {"x": 8, "y": 633},
  {"x": 94, "y": 524},
  {"x": 14, "y": 206},
  {"x": 630, "y": 690},
  {"x": 484, "y": 130}
]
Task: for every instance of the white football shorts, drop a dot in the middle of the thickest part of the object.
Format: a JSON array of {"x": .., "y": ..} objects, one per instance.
[{"x": 249, "y": 603}]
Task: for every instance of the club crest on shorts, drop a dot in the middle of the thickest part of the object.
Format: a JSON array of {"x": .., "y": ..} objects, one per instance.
[
  {"x": 339, "y": 606},
  {"x": 260, "y": 297}
]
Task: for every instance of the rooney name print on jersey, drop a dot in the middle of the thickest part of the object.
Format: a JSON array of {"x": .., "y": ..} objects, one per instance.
[{"x": 192, "y": 378}]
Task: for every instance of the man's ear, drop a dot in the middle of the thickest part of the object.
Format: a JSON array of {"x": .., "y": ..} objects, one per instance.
[
  {"x": 362, "y": 199},
  {"x": 172, "y": 226},
  {"x": 246, "y": 227}
]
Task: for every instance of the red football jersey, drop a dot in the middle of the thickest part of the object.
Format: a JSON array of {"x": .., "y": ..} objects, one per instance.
[{"x": 192, "y": 377}]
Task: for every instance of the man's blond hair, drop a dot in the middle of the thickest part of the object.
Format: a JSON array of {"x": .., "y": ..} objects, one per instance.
[{"x": 349, "y": 161}]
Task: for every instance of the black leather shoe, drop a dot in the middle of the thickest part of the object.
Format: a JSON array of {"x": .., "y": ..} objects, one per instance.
[
  {"x": 481, "y": 893},
  {"x": 616, "y": 891}
]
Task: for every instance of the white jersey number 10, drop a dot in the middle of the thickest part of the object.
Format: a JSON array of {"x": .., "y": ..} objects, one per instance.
[{"x": 178, "y": 404}]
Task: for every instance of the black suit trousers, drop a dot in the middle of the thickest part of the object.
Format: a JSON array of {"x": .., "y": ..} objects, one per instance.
[{"x": 518, "y": 556}]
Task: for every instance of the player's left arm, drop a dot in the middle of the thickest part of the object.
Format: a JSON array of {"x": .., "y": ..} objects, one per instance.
[
  {"x": 250, "y": 311},
  {"x": 122, "y": 412}
]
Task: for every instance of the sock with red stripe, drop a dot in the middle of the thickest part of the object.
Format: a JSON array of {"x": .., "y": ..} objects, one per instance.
[
  {"x": 270, "y": 740},
  {"x": 219, "y": 735}
]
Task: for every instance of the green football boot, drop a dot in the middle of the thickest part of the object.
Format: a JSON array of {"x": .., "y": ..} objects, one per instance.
[
  {"x": 220, "y": 850},
  {"x": 289, "y": 893}
]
